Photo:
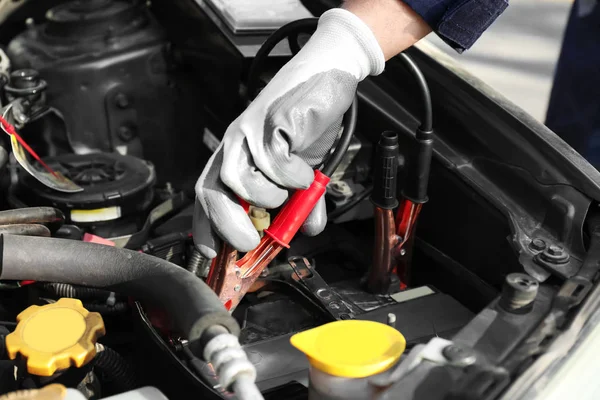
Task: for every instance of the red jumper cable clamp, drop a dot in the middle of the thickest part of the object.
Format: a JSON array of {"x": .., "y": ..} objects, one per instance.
[{"x": 231, "y": 278}]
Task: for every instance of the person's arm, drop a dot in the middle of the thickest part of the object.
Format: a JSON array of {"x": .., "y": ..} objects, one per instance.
[
  {"x": 399, "y": 24},
  {"x": 395, "y": 25}
]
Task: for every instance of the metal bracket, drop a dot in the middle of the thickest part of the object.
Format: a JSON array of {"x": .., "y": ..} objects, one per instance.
[
  {"x": 312, "y": 283},
  {"x": 437, "y": 351}
]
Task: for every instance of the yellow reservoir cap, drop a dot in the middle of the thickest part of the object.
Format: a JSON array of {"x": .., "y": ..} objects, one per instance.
[
  {"x": 352, "y": 348},
  {"x": 55, "y": 336},
  {"x": 50, "y": 392}
]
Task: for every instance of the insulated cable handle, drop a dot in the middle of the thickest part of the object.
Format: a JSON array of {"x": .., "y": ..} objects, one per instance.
[
  {"x": 385, "y": 174},
  {"x": 291, "y": 217}
]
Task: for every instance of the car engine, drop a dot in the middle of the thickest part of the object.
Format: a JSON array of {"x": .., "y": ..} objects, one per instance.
[{"x": 111, "y": 108}]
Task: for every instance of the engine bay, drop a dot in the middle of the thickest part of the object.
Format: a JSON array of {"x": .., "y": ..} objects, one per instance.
[{"x": 111, "y": 109}]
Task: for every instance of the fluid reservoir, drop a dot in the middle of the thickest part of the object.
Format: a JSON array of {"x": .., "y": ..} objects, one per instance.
[{"x": 344, "y": 355}]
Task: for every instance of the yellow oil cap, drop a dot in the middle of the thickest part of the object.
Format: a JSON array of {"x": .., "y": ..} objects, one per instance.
[
  {"x": 50, "y": 392},
  {"x": 55, "y": 336},
  {"x": 352, "y": 348}
]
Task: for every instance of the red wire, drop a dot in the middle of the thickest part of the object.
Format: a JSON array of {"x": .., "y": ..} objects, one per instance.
[{"x": 11, "y": 131}]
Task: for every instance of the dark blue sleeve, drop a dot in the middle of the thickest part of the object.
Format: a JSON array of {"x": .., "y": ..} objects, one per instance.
[{"x": 459, "y": 22}]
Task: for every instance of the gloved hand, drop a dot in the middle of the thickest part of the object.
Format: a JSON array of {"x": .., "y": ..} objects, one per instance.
[{"x": 284, "y": 133}]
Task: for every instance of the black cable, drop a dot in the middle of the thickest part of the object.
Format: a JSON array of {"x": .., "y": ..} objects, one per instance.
[
  {"x": 115, "y": 371},
  {"x": 349, "y": 122},
  {"x": 157, "y": 214},
  {"x": 417, "y": 178},
  {"x": 105, "y": 309},
  {"x": 76, "y": 291},
  {"x": 291, "y": 29},
  {"x": 294, "y": 44},
  {"x": 427, "y": 120},
  {"x": 338, "y": 212},
  {"x": 3, "y": 157}
]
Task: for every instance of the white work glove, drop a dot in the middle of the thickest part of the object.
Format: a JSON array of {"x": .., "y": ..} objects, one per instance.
[{"x": 284, "y": 133}]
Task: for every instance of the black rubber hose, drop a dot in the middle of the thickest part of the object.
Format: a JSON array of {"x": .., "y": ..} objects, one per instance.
[
  {"x": 193, "y": 306},
  {"x": 25, "y": 230},
  {"x": 427, "y": 120},
  {"x": 114, "y": 371},
  {"x": 349, "y": 123}
]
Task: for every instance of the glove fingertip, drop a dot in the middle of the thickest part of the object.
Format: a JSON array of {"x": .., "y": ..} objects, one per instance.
[
  {"x": 248, "y": 243},
  {"x": 242, "y": 235},
  {"x": 311, "y": 229},
  {"x": 317, "y": 219},
  {"x": 303, "y": 176},
  {"x": 206, "y": 251},
  {"x": 204, "y": 238}
]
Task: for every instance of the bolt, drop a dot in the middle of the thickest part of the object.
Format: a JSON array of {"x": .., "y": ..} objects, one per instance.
[
  {"x": 345, "y": 317},
  {"x": 555, "y": 255},
  {"x": 555, "y": 250},
  {"x": 126, "y": 133},
  {"x": 324, "y": 294},
  {"x": 198, "y": 264},
  {"x": 391, "y": 320},
  {"x": 25, "y": 78},
  {"x": 402, "y": 252},
  {"x": 537, "y": 245},
  {"x": 178, "y": 343},
  {"x": 518, "y": 293},
  {"x": 122, "y": 101},
  {"x": 237, "y": 288},
  {"x": 340, "y": 189},
  {"x": 30, "y": 23},
  {"x": 459, "y": 356}
]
